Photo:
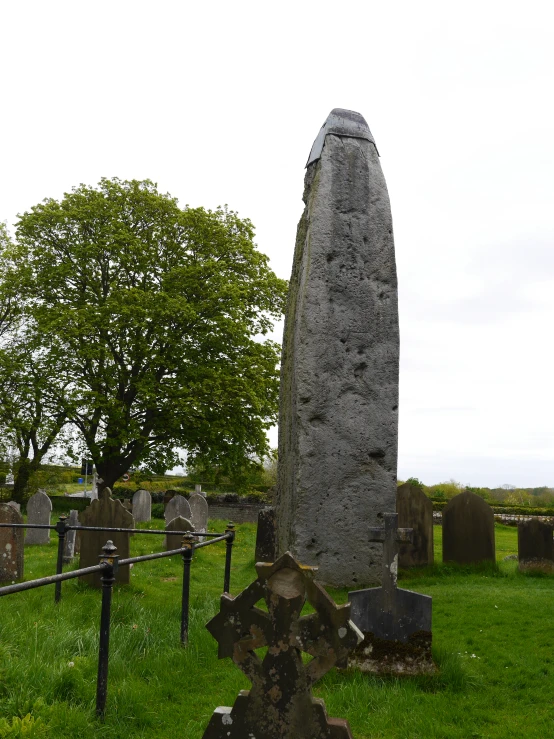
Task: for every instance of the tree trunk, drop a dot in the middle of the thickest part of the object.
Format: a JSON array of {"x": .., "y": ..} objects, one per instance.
[{"x": 21, "y": 477}]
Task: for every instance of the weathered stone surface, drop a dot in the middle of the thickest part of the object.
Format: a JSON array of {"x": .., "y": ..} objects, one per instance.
[
  {"x": 415, "y": 511},
  {"x": 534, "y": 546},
  {"x": 15, "y": 505},
  {"x": 177, "y": 506},
  {"x": 396, "y": 623},
  {"x": 175, "y": 541},
  {"x": 11, "y": 545},
  {"x": 105, "y": 511},
  {"x": 467, "y": 530},
  {"x": 265, "y": 535},
  {"x": 338, "y": 423},
  {"x": 127, "y": 505},
  {"x": 279, "y": 704},
  {"x": 142, "y": 506},
  {"x": 70, "y": 537},
  {"x": 39, "y": 510},
  {"x": 199, "y": 512}
]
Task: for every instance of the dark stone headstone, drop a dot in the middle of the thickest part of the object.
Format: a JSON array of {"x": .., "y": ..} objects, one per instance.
[
  {"x": 534, "y": 545},
  {"x": 11, "y": 545},
  {"x": 396, "y": 623},
  {"x": 105, "y": 511},
  {"x": 280, "y": 705},
  {"x": 175, "y": 541},
  {"x": 265, "y": 535},
  {"x": 467, "y": 530},
  {"x": 415, "y": 511}
]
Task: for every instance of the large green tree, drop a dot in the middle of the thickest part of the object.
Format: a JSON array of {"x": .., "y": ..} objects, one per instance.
[{"x": 161, "y": 312}]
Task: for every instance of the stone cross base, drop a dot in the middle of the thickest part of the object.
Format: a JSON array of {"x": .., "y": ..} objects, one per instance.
[
  {"x": 240, "y": 722},
  {"x": 389, "y": 657}
]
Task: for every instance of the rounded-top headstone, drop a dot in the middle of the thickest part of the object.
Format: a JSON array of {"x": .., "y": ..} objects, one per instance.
[
  {"x": 39, "y": 510},
  {"x": 199, "y": 512},
  {"x": 467, "y": 530},
  {"x": 142, "y": 506},
  {"x": 175, "y": 541},
  {"x": 177, "y": 506}
]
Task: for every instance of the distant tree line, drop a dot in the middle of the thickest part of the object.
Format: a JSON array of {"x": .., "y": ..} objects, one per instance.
[
  {"x": 130, "y": 329},
  {"x": 541, "y": 497}
]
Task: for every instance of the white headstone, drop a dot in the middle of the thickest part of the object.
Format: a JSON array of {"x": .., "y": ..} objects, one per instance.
[
  {"x": 177, "y": 506},
  {"x": 39, "y": 509},
  {"x": 142, "y": 506}
]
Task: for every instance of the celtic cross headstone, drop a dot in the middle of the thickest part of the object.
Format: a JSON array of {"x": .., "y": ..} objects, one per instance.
[
  {"x": 280, "y": 704},
  {"x": 396, "y": 623}
]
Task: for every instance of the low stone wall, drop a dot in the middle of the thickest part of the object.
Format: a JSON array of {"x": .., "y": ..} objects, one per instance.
[{"x": 235, "y": 512}]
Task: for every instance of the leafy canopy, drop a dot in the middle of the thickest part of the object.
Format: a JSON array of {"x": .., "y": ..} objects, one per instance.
[{"x": 161, "y": 313}]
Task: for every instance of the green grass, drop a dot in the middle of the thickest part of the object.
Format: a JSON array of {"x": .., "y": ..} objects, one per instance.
[{"x": 157, "y": 688}]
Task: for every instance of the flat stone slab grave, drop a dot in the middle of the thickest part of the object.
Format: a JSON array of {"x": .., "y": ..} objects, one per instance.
[
  {"x": 415, "y": 511},
  {"x": 280, "y": 704},
  {"x": 105, "y": 511},
  {"x": 396, "y": 623},
  {"x": 11, "y": 545},
  {"x": 535, "y": 546},
  {"x": 468, "y": 530},
  {"x": 39, "y": 510}
]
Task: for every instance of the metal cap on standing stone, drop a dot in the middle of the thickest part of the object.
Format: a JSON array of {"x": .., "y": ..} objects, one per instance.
[{"x": 341, "y": 122}]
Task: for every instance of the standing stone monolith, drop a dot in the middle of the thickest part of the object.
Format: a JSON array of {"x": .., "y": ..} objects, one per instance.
[
  {"x": 105, "y": 512},
  {"x": 338, "y": 421},
  {"x": 39, "y": 510},
  {"x": 142, "y": 506},
  {"x": 199, "y": 512},
  {"x": 535, "y": 546},
  {"x": 415, "y": 511},
  {"x": 11, "y": 545},
  {"x": 177, "y": 506},
  {"x": 467, "y": 530},
  {"x": 70, "y": 537}
]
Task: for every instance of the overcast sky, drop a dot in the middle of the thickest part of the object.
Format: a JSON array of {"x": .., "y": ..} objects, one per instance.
[{"x": 219, "y": 102}]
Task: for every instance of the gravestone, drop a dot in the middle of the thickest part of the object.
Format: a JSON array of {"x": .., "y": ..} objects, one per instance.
[
  {"x": 15, "y": 505},
  {"x": 175, "y": 541},
  {"x": 70, "y": 537},
  {"x": 127, "y": 505},
  {"x": 534, "y": 546},
  {"x": 396, "y": 623},
  {"x": 467, "y": 530},
  {"x": 142, "y": 506},
  {"x": 265, "y": 535},
  {"x": 39, "y": 510},
  {"x": 199, "y": 512},
  {"x": 177, "y": 506},
  {"x": 104, "y": 511},
  {"x": 338, "y": 410},
  {"x": 11, "y": 545},
  {"x": 279, "y": 704},
  {"x": 168, "y": 495},
  {"x": 415, "y": 511}
]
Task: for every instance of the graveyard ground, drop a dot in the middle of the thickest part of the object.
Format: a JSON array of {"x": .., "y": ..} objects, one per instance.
[{"x": 493, "y": 640}]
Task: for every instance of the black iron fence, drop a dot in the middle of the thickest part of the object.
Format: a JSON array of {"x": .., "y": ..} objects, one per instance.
[{"x": 109, "y": 563}]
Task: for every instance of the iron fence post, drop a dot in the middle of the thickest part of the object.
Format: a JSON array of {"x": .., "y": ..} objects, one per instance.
[
  {"x": 60, "y": 528},
  {"x": 230, "y": 530},
  {"x": 109, "y": 558},
  {"x": 188, "y": 548}
]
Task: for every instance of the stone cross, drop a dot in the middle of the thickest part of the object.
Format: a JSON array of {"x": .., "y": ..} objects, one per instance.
[
  {"x": 279, "y": 704},
  {"x": 391, "y": 536},
  {"x": 396, "y": 623}
]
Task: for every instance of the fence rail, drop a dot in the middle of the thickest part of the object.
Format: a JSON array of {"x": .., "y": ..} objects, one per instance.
[{"x": 108, "y": 565}]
